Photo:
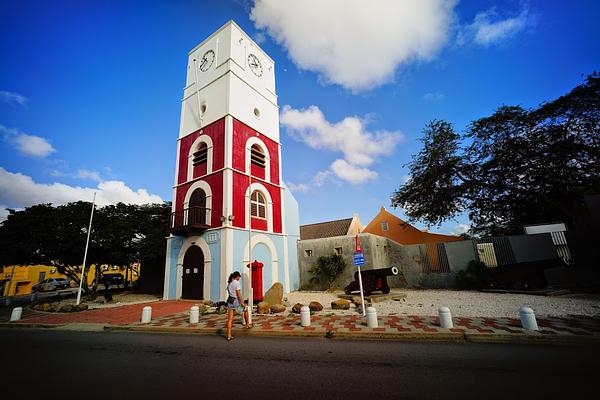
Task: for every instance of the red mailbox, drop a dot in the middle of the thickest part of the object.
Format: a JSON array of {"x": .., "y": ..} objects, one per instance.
[{"x": 257, "y": 286}]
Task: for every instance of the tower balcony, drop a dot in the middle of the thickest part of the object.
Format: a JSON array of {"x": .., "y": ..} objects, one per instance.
[{"x": 189, "y": 220}]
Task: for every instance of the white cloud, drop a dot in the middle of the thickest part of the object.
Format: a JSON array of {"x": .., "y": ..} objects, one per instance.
[
  {"x": 300, "y": 187},
  {"x": 260, "y": 37},
  {"x": 460, "y": 229},
  {"x": 29, "y": 145},
  {"x": 89, "y": 175},
  {"x": 352, "y": 173},
  {"x": 360, "y": 147},
  {"x": 350, "y": 136},
  {"x": 3, "y": 212},
  {"x": 321, "y": 177},
  {"x": 489, "y": 27},
  {"x": 433, "y": 96},
  {"x": 19, "y": 190},
  {"x": 34, "y": 146},
  {"x": 12, "y": 98},
  {"x": 356, "y": 45}
]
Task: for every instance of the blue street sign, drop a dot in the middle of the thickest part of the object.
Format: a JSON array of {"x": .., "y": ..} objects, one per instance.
[{"x": 359, "y": 259}]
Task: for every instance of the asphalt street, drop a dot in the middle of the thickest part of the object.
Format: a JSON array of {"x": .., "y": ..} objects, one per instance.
[{"x": 109, "y": 365}]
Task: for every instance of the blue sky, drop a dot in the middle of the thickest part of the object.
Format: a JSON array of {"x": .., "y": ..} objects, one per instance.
[{"x": 90, "y": 90}]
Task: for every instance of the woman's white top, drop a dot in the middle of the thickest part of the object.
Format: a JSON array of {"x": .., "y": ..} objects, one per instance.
[{"x": 233, "y": 286}]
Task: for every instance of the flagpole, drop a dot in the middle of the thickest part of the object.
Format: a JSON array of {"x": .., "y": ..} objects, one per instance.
[{"x": 87, "y": 242}]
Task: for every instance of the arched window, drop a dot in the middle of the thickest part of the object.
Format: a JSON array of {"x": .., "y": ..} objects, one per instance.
[
  {"x": 197, "y": 207},
  {"x": 257, "y": 157},
  {"x": 200, "y": 155},
  {"x": 258, "y": 205}
]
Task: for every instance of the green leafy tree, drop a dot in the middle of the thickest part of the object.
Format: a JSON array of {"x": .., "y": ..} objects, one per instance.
[
  {"x": 121, "y": 234},
  {"x": 512, "y": 168},
  {"x": 328, "y": 267}
]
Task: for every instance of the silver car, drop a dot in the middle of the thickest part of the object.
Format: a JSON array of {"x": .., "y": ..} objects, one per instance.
[{"x": 51, "y": 284}]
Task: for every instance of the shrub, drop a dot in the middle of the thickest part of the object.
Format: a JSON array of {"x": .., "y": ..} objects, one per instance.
[{"x": 328, "y": 267}]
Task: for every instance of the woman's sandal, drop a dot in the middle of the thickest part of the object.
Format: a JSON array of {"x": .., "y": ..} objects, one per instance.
[
  {"x": 230, "y": 338},
  {"x": 249, "y": 326}
]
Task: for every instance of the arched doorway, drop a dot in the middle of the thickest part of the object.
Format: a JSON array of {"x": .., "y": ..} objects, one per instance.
[
  {"x": 193, "y": 274},
  {"x": 197, "y": 207}
]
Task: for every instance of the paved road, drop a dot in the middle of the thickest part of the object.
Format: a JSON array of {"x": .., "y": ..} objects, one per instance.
[{"x": 138, "y": 365}]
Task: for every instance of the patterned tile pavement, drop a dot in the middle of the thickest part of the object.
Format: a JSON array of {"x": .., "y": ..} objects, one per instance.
[
  {"x": 392, "y": 324},
  {"x": 173, "y": 316}
]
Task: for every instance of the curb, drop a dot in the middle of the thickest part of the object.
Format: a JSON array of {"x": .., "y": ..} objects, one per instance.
[
  {"x": 527, "y": 338},
  {"x": 27, "y": 325},
  {"x": 532, "y": 338}
]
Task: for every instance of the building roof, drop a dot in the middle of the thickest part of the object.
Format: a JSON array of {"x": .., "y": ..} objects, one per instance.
[
  {"x": 388, "y": 225},
  {"x": 319, "y": 230}
]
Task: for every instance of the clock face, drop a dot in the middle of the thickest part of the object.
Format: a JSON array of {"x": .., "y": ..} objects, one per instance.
[
  {"x": 255, "y": 65},
  {"x": 207, "y": 60}
]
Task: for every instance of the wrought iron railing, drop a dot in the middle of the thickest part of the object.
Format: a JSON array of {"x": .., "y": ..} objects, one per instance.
[{"x": 190, "y": 218}]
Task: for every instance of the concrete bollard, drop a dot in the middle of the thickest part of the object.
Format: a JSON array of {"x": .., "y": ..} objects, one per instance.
[
  {"x": 528, "y": 320},
  {"x": 16, "y": 314},
  {"x": 372, "y": 317},
  {"x": 445, "y": 317},
  {"x": 194, "y": 315},
  {"x": 305, "y": 316},
  {"x": 146, "y": 315}
]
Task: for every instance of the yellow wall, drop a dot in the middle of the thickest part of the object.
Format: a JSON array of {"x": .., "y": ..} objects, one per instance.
[{"x": 25, "y": 276}]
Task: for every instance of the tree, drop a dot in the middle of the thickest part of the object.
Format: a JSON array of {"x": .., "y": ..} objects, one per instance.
[
  {"x": 512, "y": 168},
  {"x": 121, "y": 234}
]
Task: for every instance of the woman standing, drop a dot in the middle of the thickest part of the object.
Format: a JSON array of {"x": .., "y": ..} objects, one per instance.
[{"x": 235, "y": 302}]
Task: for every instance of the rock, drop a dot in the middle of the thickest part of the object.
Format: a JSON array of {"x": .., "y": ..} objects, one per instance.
[
  {"x": 208, "y": 303},
  {"x": 296, "y": 308},
  {"x": 43, "y": 307},
  {"x": 222, "y": 309},
  {"x": 275, "y": 294},
  {"x": 80, "y": 307},
  {"x": 357, "y": 300},
  {"x": 203, "y": 308},
  {"x": 66, "y": 308},
  {"x": 315, "y": 306},
  {"x": 278, "y": 308},
  {"x": 340, "y": 304},
  {"x": 399, "y": 297},
  {"x": 263, "y": 308}
]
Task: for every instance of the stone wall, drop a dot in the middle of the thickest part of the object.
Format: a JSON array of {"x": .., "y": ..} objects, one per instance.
[{"x": 381, "y": 252}]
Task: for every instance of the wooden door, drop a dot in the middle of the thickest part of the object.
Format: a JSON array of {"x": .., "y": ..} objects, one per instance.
[{"x": 193, "y": 274}]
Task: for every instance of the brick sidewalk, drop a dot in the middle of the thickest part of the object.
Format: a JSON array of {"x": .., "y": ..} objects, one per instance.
[{"x": 126, "y": 314}]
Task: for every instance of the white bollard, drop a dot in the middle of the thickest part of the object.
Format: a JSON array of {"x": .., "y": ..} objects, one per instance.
[
  {"x": 528, "y": 320},
  {"x": 16, "y": 314},
  {"x": 372, "y": 317},
  {"x": 445, "y": 317},
  {"x": 305, "y": 316},
  {"x": 194, "y": 315},
  {"x": 146, "y": 315}
]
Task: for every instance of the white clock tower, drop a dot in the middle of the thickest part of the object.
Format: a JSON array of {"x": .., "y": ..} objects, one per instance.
[{"x": 230, "y": 204}]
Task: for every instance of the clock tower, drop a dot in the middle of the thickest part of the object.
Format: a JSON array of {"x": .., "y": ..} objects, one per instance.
[{"x": 230, "y": 204}]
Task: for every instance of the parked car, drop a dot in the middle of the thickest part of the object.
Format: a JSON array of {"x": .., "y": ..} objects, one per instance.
[
  {"x": 112, "y": 279},
  {"x": 51, "y": 284}
]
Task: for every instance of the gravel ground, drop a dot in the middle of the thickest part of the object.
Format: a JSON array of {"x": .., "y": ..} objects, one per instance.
[{"x": 465, "y": 303}]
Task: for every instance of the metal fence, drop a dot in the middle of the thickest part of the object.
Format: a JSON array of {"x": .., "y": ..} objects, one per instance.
[{"x": 496, "y": 251}]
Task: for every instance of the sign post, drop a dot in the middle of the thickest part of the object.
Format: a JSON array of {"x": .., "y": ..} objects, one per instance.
[{"x": 359, "y": 259}]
